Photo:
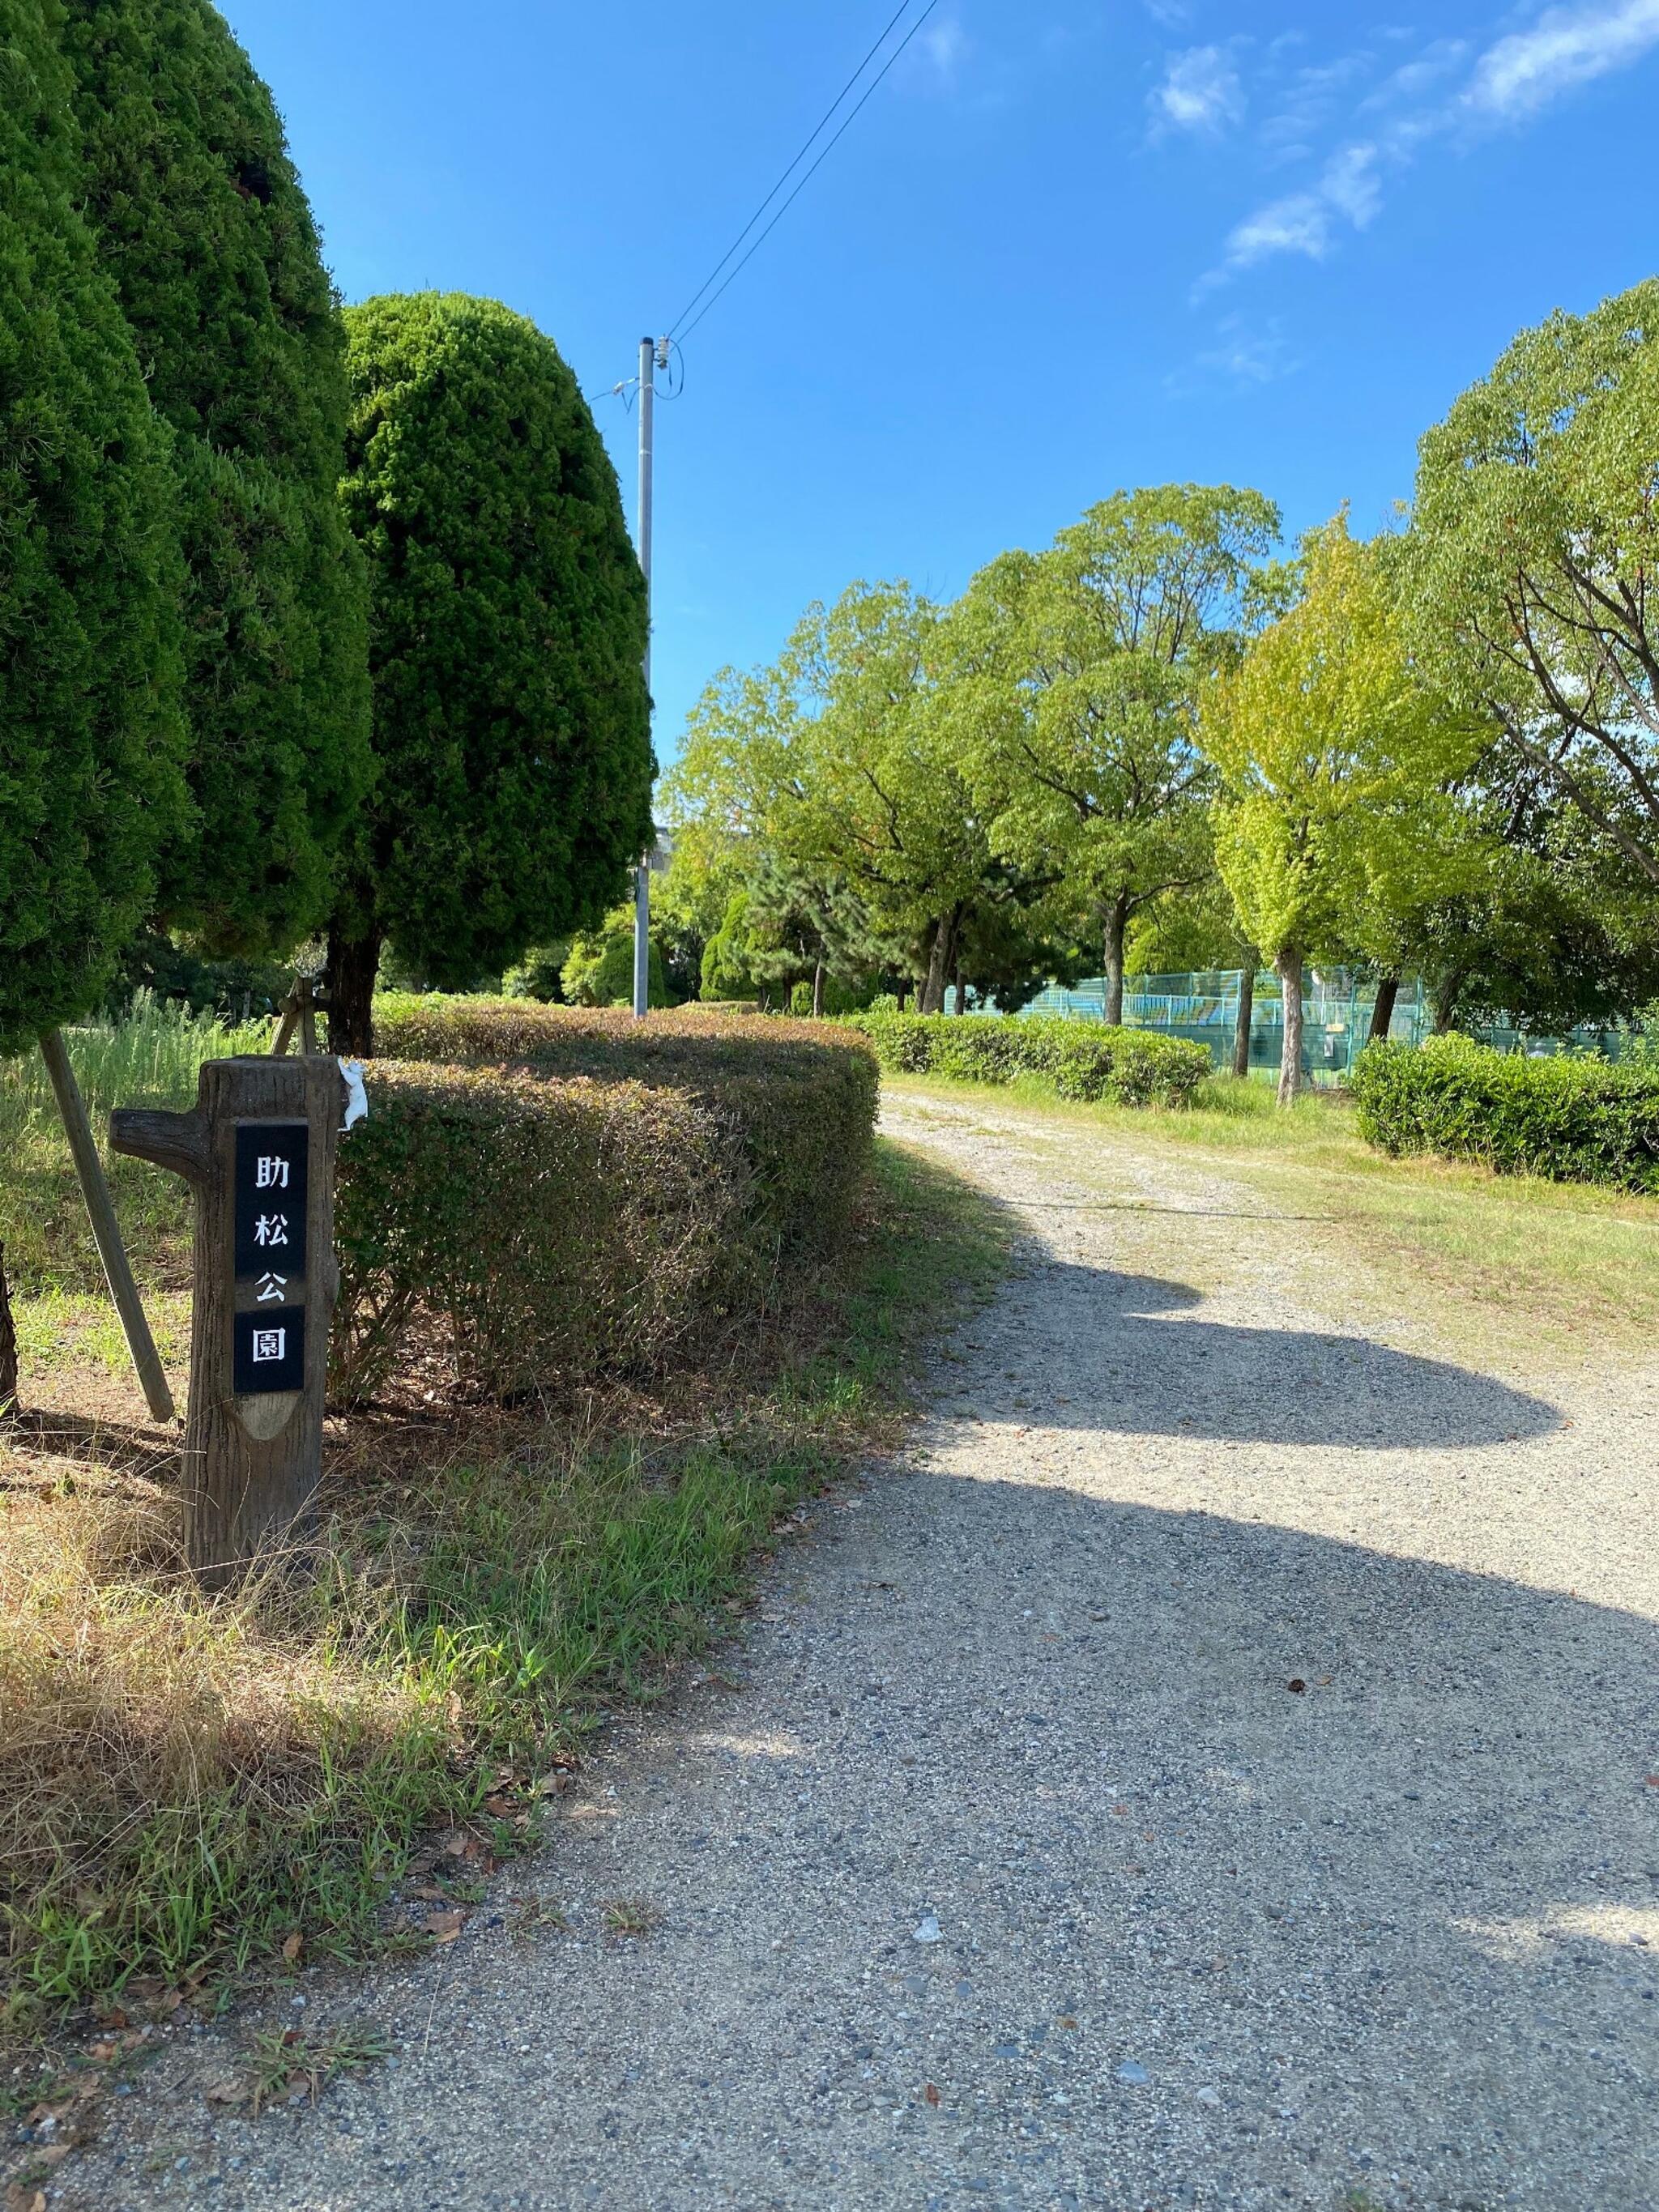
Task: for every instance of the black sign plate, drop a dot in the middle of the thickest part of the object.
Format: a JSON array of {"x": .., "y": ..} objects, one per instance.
[
  {"x": 273, "y": 1161},
  {"x": 270, "y": 1352}
]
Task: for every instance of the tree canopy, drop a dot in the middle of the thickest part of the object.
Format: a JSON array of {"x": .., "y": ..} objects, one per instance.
[
  {"x": 202, "y": 226},
  {"x": 1336, "y": 766},
  {"x": 1075, "y": 681},
  {"x": 90, "y": 734},
  {"x": 511, "y": 721},
  {"x": 1533, "y": 551}
]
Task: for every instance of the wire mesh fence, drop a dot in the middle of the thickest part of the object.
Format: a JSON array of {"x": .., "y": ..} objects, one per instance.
[{"x": 1337, "y": 1014}]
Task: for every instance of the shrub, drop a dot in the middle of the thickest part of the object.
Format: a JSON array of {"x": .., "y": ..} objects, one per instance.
[
  {"x": 641, "y": 1178},
  {"x": 1082, "y": 1060},
  {"x": 1570, "y": 1119}
]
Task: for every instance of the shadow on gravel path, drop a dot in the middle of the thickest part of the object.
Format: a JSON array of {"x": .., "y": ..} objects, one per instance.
[{"x": 1137, "y": 1374}]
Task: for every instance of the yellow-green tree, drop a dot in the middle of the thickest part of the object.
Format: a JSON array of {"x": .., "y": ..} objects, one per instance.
[{"x": 1336, "y": 813}]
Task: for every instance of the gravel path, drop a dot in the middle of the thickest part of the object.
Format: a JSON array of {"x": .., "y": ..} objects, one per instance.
[{"x": 1209, "y": 1768}]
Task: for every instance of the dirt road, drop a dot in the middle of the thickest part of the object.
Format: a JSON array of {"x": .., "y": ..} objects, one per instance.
[{"x": 1210, "y": 1768}]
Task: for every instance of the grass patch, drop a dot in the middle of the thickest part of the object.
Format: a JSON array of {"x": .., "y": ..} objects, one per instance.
[
  {"x": 150, "y": 1058},
  {"x": 187, "y": 1783},
  {"x": 1570, "y": 1259}
]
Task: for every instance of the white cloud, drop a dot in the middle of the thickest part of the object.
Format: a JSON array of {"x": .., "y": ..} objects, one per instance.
[
  {"x": 1298, "y": 224},
  {"x": 1350, "y": 185},
  {"x": 1303, "y": 222},
  {"x": 1200, "y": 91},
  {"x": 1565, "y": 46},
  {"x": 1512, "y": 80}
]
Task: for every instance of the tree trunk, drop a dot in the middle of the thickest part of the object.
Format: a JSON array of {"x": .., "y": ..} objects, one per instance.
[
  {"x": 1116, "y": 921},
  {"x": 941, "y": 960},
  {"x": 817, "y": 992},
  {"x": 1241, "y": 1022},
  {"x": 7, "y": 1346},
  {"x": 1443, "y": 998},
  {"x": 1383, "y": 1011},
  {"x": 961, "y": 989},
  {"x": 353, "y": 964},
  {"x": 903, "y": 991},
  {"x": 1289, "y": 968}
]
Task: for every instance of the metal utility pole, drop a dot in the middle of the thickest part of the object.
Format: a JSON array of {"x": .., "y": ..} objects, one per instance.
[{"x": 649, "y": 350}]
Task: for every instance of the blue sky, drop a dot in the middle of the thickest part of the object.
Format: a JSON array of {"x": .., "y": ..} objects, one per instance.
[{"x": 1065, "y": 247}]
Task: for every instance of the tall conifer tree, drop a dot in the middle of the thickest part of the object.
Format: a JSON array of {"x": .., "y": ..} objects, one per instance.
[
  {"x": 89, "y": 729},
  {"x": 202, "y": 226},
  {"x": 512, "y": 732}
]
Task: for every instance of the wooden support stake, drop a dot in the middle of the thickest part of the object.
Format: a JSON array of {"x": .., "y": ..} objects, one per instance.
[
  {"x": 7, "y": 1346},
  {"x": 105, "y": 1228},
  {"x": 258, "y": 1150}
]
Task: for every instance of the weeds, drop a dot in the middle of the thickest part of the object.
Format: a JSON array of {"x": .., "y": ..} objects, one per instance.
[
  {"x": 629, "y": 1915},
  {"x": 288, "y": 2065}
]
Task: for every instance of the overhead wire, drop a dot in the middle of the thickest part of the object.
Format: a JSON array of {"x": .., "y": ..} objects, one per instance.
[
  {"x": 806, "y": 148},
  {"x": 680, "y": 328}
]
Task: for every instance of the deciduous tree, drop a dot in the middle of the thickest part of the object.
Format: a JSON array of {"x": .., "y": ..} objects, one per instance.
[
  {"x": 1073, "y": 686},
  {"x": 1336, "y": 767},
  {"x": 1533, "y": 556}
]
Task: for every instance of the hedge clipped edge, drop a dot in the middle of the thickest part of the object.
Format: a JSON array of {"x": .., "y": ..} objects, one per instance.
[
  {"x": 1085, "y": 1060},
  {"x": 798, "y": 1098},
  {"x": 1568, "y": 1119}
]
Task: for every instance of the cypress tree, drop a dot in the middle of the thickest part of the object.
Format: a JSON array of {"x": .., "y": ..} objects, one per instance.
[
  {"x": 512, "y": 732},
  {"x": 202, "y": 226},
  {"x": 89, "y": 729}
]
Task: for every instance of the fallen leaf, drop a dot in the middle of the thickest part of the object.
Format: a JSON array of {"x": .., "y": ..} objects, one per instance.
[
  {"x": 499, "y": 1808},
  {"x": 103, "y": 2053},
  {"x": 931, "y": 2093},
  {"x": 53, "y": 2154},
  {"x": 292, "y": 1945},
  {"x": 228, "y": 2093},
  {"x": 18, "y": 2199},
  {"x": 1066, "y": 2020},
  {"x": 444, "y": 1926},
  {"x": 1297, "y": 1684}
]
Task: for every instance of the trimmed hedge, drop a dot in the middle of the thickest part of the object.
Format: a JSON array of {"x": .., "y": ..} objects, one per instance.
[
  {"x": 1569, "y": 1118},
  {"x": 555, "y": 1231},
  {"x": 579, "y": 1195},
  {"x": 796, "y": 1099},
  {"x": 1082, "y": 1060}
]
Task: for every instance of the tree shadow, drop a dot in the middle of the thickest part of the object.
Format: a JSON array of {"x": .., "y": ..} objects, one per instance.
[
  {"x": 41, "y": 1435},
  {"x": 1145, "y": 1371},
  {"x": 1369, "y": 1837}
]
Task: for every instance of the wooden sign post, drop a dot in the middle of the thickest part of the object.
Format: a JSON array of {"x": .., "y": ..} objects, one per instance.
[{"x": 259, "y": 1149}]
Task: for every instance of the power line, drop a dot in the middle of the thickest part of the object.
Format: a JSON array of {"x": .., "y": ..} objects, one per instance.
[
  {"x": 680, "y": 327},
  {"x": 806, "y": 148}
]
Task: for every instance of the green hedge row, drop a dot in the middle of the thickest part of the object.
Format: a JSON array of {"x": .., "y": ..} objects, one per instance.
[
  {"x": 1081, "y": 1060},
  {"x": 563, "y": 1194},
  {"x": 1572, "y": 1119}
]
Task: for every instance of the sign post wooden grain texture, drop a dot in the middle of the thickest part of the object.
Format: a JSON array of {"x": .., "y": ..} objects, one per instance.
[{"x": 258, "y": 1150}]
